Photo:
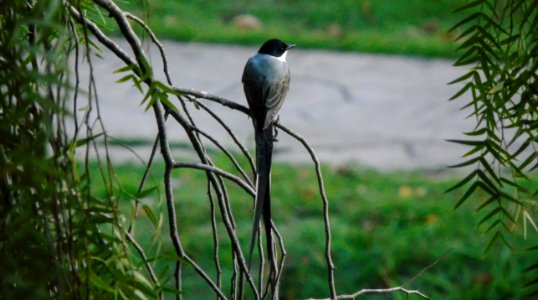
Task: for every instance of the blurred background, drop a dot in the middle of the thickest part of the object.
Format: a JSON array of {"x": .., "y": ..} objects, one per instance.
[{"x": 413, "y": 27}]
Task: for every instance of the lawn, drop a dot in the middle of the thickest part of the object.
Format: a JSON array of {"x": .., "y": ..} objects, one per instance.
[
  {"x": 411, "y": 27},
  {"x": 386, "y": 228}
]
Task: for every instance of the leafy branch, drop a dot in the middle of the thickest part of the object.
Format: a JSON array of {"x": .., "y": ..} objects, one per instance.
[{"x": 499, "y": 45}]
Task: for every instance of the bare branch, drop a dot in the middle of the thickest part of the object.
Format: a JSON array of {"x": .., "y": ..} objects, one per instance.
[
  {"x": 223, "y": 204},
  {"x": 142, "y": 254},
  {"x": 127, "y": 31},
  {"x": 174, "y": 235},
  {"x": 101, "y": 37},
  {"x": 205, "y": 95},
  {"x": 377, "y": 291},
  {"x": 230, "y": 156},
  {"x": 328, "y": 257},
  {"x": 218, "y": 171},
  {"x": 231, "y": 133},
  {"x": 282, "y": 256},
  {"x": 213, "y": 215}
]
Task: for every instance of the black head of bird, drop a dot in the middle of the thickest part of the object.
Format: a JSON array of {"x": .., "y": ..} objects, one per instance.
[{"x": 275, "y": 47}]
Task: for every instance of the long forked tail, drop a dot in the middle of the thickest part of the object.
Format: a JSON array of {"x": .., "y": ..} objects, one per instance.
[{"x": 264, "y": 152}]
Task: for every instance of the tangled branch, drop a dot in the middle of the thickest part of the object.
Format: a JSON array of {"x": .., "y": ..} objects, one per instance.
[{"x": 158, "y": 96}]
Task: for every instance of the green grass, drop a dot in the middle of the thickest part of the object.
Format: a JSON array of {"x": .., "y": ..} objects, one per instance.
[
  {"x": 386, "y": 228},
  {"x": 411, "y": 27}
]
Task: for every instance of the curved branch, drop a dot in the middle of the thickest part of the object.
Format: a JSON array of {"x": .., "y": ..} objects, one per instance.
[
  {"x": 230, "y": 156},
  {"x": 101, "y": 37},
  {"x": 218, "y": 171},
  {"x": 328, "y": 257},
  {"x": 142, "y": 254},
  {"x": 377, "y": 291},
  {"x": 205, "y": 95},
  {"x": 232, "y": 135}
]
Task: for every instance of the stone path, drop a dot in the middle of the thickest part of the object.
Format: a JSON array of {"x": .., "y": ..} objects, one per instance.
[{"x": 386, "y": 112}]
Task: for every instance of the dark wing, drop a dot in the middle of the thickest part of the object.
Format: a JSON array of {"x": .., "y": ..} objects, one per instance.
[
  {"x": 275, "y": 98},
  {"x": 255, "y": 88},
  {"x": 265, "y": 95}
]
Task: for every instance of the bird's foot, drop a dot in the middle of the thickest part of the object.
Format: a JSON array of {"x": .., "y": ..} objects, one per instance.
[{"x": 275, "y": 132}]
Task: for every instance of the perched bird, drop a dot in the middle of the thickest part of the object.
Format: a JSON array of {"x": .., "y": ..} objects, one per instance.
[{"x": 266, "y": 80}]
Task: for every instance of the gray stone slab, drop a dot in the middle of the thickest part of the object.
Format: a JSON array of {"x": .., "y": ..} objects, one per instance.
[{"x": 385, "y": 112}]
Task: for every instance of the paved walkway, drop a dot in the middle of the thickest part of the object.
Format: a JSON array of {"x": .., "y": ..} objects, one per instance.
[{"x": 386, "y": 112}]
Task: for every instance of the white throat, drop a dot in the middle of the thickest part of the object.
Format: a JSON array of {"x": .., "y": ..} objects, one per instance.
[{"x": 282, "y": 57}]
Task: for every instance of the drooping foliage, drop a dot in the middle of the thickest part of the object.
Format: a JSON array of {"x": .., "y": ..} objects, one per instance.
[
  {"x": 499, "y": 46},
  {"x": 58, "y": 238}
]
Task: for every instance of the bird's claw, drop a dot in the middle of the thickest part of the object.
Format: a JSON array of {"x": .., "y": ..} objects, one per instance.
[{"x": 275, "y": 131}]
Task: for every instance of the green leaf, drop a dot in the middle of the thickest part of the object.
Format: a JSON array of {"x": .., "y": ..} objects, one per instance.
[
  {"x": 532, "y": 157},
  {"x": 471, "y": 30},
  {"x": 468, "y": 193},
  {"x": 468, "y": 142},
  {"x": 486, "y": 185},
  {"x": 462, "y": 91},
  {"x": 125, "y": 69},
  {"x": 100, "y": 283},
  {"x": 146, "y": 192},
  {"x": 531, "y": 283},
  {"x": 492, "y": 241},
  {"x": 125, "y": 78},
  {"x": 490, "y": 171},
  {"x": 149, "y": 93},
  {"x": 492, "y": 199},
  {"x": 496, "y": 237},
  {"x": 466, "y": 163},
  {"x": 522, "y": 148},
  {"x": 150, "y": 214},
  {"x": 468, "y": 19},
  {"x": 493, "y": 225},
  {"x": 164, "y": 99},
  {"x": 462, "y": 78},
  {"x": 464, "y": 181},
  {"x": 497, "y": 88},
  {"x": 531, "y": 267},
  {"x": 152, "y": 100},
  {"x": 510, "y": 39},
  {"x": 511, "y": 199},
  {"x": 469, "y": 5},
  {"x": 492, "y": 213},
  {"x": 86, "y": 140},
  {"x": 137, "y": 84},
  {"x": 476, "y": 132},
  {"x": 533, "y": 248}
]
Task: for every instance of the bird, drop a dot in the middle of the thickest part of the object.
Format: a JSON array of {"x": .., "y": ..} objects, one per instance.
[{"x": 266, "y": 81}]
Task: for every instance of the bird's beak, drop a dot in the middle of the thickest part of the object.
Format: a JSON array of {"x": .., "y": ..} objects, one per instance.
[{"x": 290, "y": 46}]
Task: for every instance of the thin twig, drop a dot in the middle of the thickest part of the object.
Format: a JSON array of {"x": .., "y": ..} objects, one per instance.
[
  {"x": 146, "y": 173},
  {"x": 165, "y": 151},
  {"x": 231, "y": 133},
  {"x": 101, "y": 37},
  {"x": 283, "y": 254},
  {"x": 230, "y": 156},
  {"x": 223, "y": 205},
  {"x": 213, "y": 216},
  {"x": 218, "y": 171},
  {"x": 328, "y": 256},
  {"x": 214, "y": 98},
  {"x": 142, "y": 254},
  {"x": 377, "y": 291},
  {"x": 427, "y": 268}
]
